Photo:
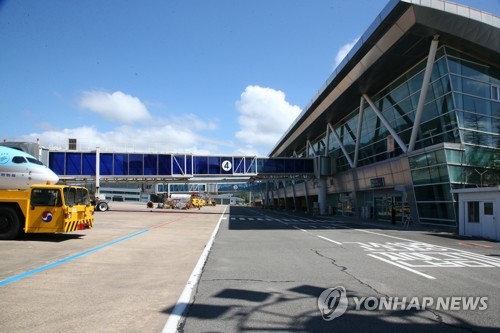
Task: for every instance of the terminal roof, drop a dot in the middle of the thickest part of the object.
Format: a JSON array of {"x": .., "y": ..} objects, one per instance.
[{"x": 399, "y": 38}]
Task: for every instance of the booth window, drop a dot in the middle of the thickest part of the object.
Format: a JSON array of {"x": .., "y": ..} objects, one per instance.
[
  {"x": 488, "y": 208},
  {"x": 473, "y": 211}
]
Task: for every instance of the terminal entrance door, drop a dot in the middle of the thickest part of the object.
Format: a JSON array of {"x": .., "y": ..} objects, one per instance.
[
  {"x": 345, "y": 205},
  {"x": 383, "y": 206}
]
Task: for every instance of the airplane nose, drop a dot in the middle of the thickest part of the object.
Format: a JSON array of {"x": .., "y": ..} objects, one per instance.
[
  {"x": 52, "y": 177},
  {"x": 55, "y": 179}
]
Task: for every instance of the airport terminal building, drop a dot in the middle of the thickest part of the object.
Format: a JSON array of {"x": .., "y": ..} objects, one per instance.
[
  {"x": 412, "y": 113},
  {"x": 407, "y": 120}
]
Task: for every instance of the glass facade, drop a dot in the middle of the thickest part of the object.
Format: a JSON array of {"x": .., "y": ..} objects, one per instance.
[
  {"x": 462, "y": 107},
  {"x": 431, "y": 185}
]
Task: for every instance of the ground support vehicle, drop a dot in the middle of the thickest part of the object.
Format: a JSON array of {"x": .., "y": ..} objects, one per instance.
[
  {"x": 101, "y": 206},
  {"x": 198, "y": 202},
  {"x": 100, "y": 203},
  {"x": 44, "y": 209}
]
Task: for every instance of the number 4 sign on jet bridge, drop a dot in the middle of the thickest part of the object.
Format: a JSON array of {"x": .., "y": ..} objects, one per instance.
[{"x": 226, "y": 165}]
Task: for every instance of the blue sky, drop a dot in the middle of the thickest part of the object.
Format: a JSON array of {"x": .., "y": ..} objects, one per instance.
[{"x": 195, "y": 76}]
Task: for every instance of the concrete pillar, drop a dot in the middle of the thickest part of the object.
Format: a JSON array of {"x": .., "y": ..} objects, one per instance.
[
  {"x": 308, "y": 198},
  {"x": 323, "y": 209},
  {"x": 287, "y": 203},
  {"x": 267, "y": 195},
  {"x": 277, "y": 190},
  {"x": 296, "y": 204},
  {"x": 97, "y": 171}
]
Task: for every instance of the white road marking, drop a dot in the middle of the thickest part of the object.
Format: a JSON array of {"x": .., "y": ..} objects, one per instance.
[
  {"x": 178, "y": 312},
  {"x": 403, "y": 267},
  {"x": 428, "y": 244},
  {"x": 329, "y": 240},
  {"x": 299, "y": 228},
  {"x": 452, "y": 259}
]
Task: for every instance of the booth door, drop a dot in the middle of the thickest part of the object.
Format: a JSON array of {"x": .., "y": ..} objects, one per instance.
[{"x": 487, "y": 218}]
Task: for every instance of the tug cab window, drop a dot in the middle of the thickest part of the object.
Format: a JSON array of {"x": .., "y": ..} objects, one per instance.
[
  {"x": 70, "y": 196},
  {"x": 46, "y": 197},
  {"x": 82, "y": 196},
  {"x": 76, "y": 196}
]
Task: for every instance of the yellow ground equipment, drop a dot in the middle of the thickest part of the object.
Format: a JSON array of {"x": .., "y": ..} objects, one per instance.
[
  {"x": 198, "y": 202},
  {"x": 45, "y": 209}
]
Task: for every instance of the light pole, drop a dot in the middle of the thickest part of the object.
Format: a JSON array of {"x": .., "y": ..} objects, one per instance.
[{"x": 481, "y": 176}]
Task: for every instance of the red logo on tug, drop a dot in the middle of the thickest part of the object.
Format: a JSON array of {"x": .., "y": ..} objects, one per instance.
[{"x": 47, "y": 216}]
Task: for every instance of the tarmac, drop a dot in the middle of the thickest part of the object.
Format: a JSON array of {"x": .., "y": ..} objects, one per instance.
[{"x": 124, "y": 275}]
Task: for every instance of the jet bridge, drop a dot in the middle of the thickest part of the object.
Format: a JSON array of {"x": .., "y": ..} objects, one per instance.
[{"x": 77, "y": 165}]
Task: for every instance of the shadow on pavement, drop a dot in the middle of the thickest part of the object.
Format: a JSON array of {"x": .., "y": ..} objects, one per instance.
[
  {"x": 52, "y": 238},
  {"x": 243, "y": 310}
]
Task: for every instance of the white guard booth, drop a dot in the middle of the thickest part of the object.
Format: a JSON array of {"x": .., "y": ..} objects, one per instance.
[{"x": 478, "y": 212}]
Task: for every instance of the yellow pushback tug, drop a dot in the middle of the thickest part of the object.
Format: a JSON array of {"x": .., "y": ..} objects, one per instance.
[{"x": 45, "y": 209}]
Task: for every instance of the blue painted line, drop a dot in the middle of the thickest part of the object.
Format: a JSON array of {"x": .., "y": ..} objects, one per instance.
[{"x": 62, "y": 261}]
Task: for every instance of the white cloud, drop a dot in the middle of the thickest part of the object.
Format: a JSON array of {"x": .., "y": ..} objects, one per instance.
[
  {"x": 153, "y": 138},
  {"x": 264, "y": 116},
  {"x": 116, "y": 106},
  {"x": 249, "y": 150},
  {"x": 193, "y": 121},
  {"x": 343, "y": 51}
]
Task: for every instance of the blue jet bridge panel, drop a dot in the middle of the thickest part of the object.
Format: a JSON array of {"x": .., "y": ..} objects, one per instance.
[{"x": 83, "y": 164}]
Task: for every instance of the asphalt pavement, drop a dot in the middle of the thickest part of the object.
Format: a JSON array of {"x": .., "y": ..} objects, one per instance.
[
  {"x": 267, "y": 271},
  {"x": 273, "y": 271}
]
